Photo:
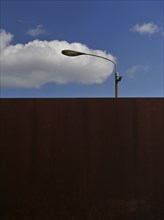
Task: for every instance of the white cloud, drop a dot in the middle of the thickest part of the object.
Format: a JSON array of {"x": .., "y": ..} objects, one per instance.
[
  {"x": 146, "y": 28},
  {"x": 5, "y": 39},
  {"x": 133, "y": 71},
  {"x": 34, "y": 32},
  {"x": 38, "y": 62}
]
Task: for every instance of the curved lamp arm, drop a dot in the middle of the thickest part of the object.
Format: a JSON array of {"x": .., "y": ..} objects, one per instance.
[{"x": 72, "y": 53}]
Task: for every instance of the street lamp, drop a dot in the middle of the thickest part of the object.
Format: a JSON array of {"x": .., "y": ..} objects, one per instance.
[{"x": 72, "y": 53}]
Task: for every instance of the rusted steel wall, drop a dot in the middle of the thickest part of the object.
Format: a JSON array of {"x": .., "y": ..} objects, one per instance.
[{"x": 82, "y": 158}]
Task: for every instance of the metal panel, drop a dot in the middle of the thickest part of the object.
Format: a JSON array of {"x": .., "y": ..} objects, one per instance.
[{"x": 82, "y": 158}]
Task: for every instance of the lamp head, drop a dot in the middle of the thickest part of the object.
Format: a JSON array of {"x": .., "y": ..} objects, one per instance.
[{"x": 71, "y": 53}]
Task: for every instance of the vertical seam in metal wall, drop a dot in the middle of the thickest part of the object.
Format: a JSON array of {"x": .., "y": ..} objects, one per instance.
[
  {"x": 135, "y": 147},
  {"x": 33, "y": 156}
]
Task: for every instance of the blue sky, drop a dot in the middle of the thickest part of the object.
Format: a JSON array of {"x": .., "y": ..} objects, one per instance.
[{"x": 33, "y": 33}]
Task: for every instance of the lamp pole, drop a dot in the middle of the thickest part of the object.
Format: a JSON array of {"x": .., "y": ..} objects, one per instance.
[{"x": 72, "y": 53}]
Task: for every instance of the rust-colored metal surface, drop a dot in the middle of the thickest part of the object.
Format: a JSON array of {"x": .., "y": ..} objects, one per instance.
[{"x": 79, "y": 159}]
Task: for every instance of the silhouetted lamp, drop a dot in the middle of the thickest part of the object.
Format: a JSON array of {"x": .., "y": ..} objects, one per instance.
[{"x": 72, "y": 53}]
